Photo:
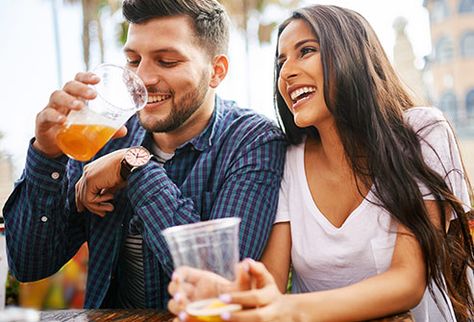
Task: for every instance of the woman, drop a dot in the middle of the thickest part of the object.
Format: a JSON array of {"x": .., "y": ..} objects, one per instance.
[{"x": 371, "y": 184}]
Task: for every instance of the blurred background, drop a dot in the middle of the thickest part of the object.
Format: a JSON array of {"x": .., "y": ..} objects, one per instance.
[{"x": 45, "y": 42}]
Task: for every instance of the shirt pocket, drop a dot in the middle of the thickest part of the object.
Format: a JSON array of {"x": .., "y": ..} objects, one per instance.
[{"x": 382, "y": 251}]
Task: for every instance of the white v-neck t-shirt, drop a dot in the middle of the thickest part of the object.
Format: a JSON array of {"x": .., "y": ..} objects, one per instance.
[{"x": 327, "y": 257}]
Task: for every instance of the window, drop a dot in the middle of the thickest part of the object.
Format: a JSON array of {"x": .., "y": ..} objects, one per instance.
[
  {"x": 444, "y": 50},
  {"x": 467, "y": 44},
  {"x": 470, "y": 104},
  {"x": 439, "y": 11},
  {"x": 466, "y": 6},
  {"x": 449, "y": 106}
]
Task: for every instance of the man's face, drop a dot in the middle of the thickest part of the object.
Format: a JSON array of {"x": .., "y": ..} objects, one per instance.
[{"x": 176, "y": 71}]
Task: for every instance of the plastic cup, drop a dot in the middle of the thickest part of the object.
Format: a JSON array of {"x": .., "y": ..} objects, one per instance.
[
  {"x": 208, "y": 245},
  {"x": 120, "y": 94},
  {"x": 211, "y": 245}
]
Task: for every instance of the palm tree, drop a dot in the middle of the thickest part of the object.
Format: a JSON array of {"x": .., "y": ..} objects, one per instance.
[
  {"x": 242, "y": 11},
  {"x": 91, "y": 18}
]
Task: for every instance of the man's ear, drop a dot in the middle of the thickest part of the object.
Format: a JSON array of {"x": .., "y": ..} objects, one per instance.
[{"x": 220, "y": 66}]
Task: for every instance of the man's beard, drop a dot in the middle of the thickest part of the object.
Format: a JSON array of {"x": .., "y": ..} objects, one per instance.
[{"x": 181, "y": 110}]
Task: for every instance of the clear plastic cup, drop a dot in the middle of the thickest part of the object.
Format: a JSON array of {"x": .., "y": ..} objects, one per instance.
[
  {"x": 211, "y": 245},
  {"x": 120, "y": 94}
]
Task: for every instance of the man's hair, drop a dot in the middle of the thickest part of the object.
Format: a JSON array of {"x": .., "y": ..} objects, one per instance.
[{"x": 209, "y": 18}]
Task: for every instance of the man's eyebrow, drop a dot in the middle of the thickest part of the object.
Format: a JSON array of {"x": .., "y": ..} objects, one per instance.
[
  {"x": 299, "y": 44},
  {"x": 161, "y": 50}
]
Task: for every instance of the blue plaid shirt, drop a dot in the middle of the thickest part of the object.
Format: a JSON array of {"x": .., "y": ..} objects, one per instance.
[{"x": 233, "y": 168}]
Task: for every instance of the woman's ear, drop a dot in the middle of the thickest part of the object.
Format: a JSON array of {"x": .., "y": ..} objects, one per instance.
[{"x": 220, "y": 66}]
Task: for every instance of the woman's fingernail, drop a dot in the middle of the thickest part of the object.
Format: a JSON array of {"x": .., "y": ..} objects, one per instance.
[
  {"x": 182, "y": 316},
  {"x": 177, "y": 297},
  {"x": 246, "y": 266},
  {"x": 250, "y": 260},
  {"x": 174, "y": 277},
  {"x": 90, "y": 92},
  {"x": 225, "y": 316},
  {"x": 75, "y": 103},
  {"x": 226, "y": 298}
]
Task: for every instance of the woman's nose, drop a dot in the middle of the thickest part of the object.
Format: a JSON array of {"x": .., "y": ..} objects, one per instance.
[{"x": 288, "y": 70}]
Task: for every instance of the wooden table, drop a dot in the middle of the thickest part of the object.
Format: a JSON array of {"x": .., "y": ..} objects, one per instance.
[
  {"x": 146, "y": 315},
  {"x": 135, "y": 315}
]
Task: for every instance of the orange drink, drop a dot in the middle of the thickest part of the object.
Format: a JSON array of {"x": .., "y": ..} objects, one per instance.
[
  {"x": 120, "y": 94},
  {"x": 82, "y": 141},
  {"x": 209, "y": 310}
]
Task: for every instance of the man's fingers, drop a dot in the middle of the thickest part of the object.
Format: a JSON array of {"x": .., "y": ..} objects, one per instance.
[
  {"x": 80, "y": 90},
  {"x": 63, "y": 102},
  {"x": 49, "y": 117},
  {"x": 87, "y": 78},
  {"x": 100, "y": 208},
  {"x": 121, "y": 132}
]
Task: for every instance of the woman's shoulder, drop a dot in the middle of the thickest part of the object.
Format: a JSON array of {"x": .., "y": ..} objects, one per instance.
[
  {"x": 425, "y": 119},
  {"x": 294, "y": 152}
]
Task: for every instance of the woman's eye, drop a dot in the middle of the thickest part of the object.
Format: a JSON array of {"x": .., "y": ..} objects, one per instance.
[{"x": 306, "y": 50}]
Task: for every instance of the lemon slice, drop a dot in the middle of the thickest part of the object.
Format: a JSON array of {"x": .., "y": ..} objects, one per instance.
[{"x": 204, "y": 309}]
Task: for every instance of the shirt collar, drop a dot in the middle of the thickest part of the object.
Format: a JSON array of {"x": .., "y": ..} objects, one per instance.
[{"x": 205, "y": 139}]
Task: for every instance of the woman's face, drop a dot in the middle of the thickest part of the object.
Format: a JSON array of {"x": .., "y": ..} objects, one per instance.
[{"x": 301, "y": 80}]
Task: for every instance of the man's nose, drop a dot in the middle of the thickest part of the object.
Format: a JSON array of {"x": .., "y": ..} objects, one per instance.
[{"x": 147, "y": 73}]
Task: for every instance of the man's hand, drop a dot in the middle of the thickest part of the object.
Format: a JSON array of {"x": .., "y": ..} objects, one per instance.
[
  {"x": 98, "y": 183},
  {"x": 61, "y": 102},
  {"x": 50, "y": 120}
]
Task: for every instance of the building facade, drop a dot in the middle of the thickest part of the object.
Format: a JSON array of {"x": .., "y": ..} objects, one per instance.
[{"x": 451, "y": 63}]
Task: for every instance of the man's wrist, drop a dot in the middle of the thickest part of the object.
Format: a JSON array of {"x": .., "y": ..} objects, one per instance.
[{"x": 39, "y": 148}]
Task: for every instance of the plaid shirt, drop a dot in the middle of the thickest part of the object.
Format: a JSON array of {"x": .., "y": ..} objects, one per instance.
[{"x": 233, "y": 168}]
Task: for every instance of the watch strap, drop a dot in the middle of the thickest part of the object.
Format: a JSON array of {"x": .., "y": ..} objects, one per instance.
[{"x": 125, "y": 169}]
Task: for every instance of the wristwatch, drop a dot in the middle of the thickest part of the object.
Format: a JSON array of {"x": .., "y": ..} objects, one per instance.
[{"x": 134, "y": 158}]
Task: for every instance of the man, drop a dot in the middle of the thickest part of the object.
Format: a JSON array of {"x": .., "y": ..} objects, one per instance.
[{"x": 211, "y": 160}]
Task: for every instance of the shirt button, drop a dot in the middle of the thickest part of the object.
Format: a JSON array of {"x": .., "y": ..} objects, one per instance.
[
  {"x": 44, "y": 219},
  {"x": 55, "y": 175}
]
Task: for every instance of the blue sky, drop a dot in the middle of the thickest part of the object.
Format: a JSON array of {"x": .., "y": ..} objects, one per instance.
[{"x": 28, "y": 58}]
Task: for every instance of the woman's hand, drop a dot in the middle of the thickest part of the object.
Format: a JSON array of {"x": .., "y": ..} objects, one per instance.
[
  {"x": 191, "y": 284},
  {"x": 264, "y": 303}
]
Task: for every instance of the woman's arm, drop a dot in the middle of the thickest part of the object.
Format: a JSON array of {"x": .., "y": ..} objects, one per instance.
[
  {"x": 398, "y": 289},
  {"x": 276, "y": 256}
]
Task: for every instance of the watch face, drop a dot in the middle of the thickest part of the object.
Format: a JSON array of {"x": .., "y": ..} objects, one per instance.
[{"x": 137, "y": 156}]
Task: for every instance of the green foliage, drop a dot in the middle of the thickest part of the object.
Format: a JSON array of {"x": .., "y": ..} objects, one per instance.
[
  {"x": 123, "y": 31},
  {"x": 12, "y": 291}
]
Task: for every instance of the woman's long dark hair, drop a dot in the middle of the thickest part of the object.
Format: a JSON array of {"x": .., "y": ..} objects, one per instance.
[{"x": 367, "y": 101}]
